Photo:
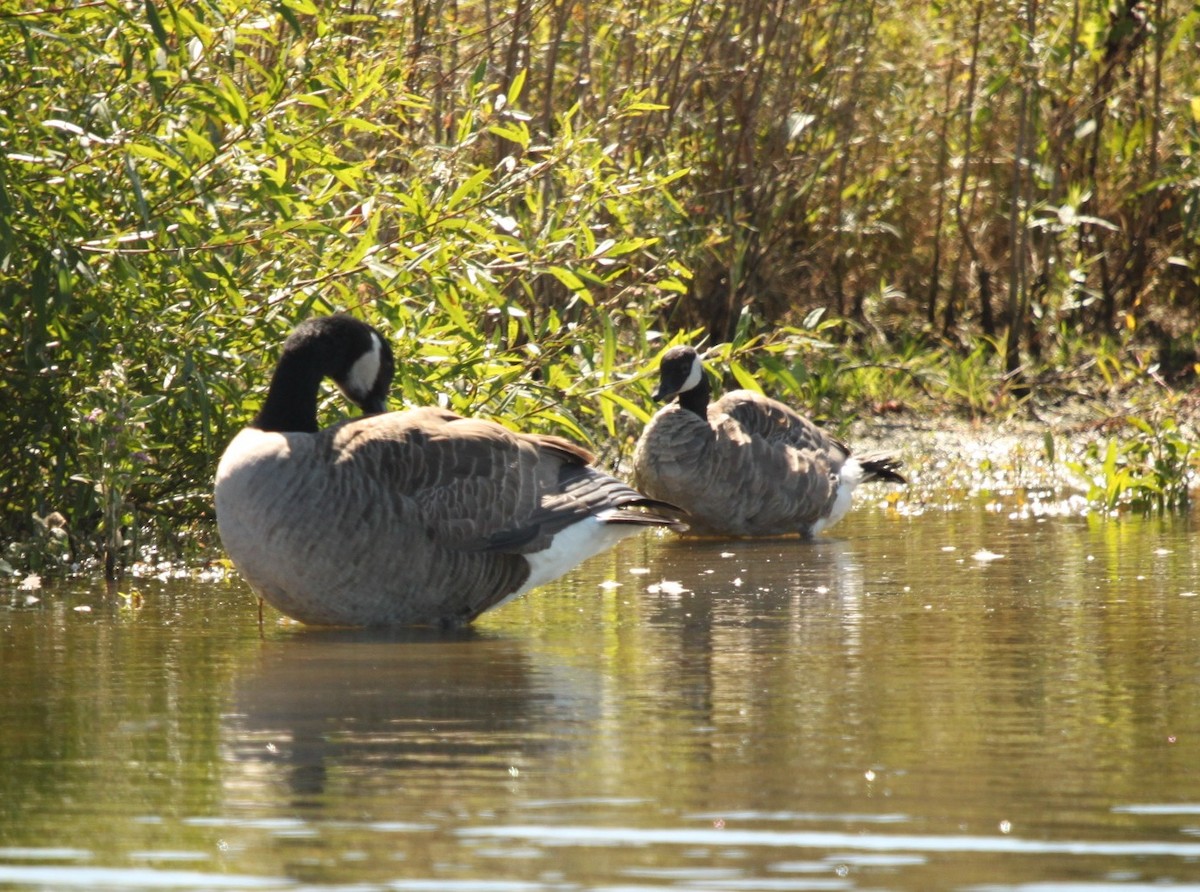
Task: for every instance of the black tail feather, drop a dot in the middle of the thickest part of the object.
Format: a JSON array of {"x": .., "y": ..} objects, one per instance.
[
  {"x": 649, "y": 512},
  {"x": 881, "y": 466}
]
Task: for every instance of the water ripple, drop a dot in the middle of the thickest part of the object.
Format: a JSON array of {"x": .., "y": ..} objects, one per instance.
[{"x": 580, "y": 835}]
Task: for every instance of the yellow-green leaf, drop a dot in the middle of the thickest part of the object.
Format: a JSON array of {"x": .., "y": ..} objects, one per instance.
[
  {"x": 744, "y": 378},
  {"x": 573, "y": 282},
  {"x": 514, "y": 89},
  {"x": 468, "y": 187}
]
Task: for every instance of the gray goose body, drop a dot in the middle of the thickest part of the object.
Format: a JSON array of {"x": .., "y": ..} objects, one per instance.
[
  {"x": 403, "y": 518},
  {"x": 745, "y": 465}
]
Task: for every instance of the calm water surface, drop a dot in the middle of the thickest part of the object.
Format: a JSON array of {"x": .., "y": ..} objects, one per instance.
[{"x": 958, "y": 700}]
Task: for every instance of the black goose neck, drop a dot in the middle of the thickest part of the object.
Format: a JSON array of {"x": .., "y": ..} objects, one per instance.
[
  {"x": 696, "y": 399},
  {"x": 291, "y": 403}
]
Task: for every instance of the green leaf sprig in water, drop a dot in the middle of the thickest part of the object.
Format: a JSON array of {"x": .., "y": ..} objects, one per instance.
[{"x": 1153, "y": 471}]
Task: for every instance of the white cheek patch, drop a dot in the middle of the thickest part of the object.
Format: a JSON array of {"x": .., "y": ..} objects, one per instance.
[
  {"x": 693, "y": 377},
  {"x": 362, "y": 375}
]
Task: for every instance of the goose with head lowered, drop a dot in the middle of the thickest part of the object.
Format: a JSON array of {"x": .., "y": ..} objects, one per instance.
[
  {"x": 418, "y": 517},
  {"x": 745, "y": 465}
]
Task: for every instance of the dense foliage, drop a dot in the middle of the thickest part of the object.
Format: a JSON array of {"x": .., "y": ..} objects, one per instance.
[{"x": 960, "y": 196}]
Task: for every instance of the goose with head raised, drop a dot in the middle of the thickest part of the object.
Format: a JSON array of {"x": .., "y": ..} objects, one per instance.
[
  {"x": 745, "y": 465},
  {"x": 418, "y": 517}
]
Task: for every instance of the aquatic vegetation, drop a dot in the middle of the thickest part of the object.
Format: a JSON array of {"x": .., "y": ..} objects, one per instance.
[{"x": 1153, "y": 470}]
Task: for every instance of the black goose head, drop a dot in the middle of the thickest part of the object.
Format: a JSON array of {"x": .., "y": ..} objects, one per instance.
[
  {"x": 682, "y": 374},
  {"x": 354, "y": 355}
]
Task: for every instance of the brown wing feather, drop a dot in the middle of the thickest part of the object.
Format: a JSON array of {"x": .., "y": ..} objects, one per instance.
[
  {"x": 482, "y": 494},
  {"x": 473, "y": 482},
  {"x": 761, "y": 416}
]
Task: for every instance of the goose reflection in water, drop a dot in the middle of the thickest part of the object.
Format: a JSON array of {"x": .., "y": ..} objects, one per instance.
[{"x": 398, "y": 709}]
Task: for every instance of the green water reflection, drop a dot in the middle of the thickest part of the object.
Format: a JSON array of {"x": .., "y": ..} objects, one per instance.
[{"x": 961, "y": 699}]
